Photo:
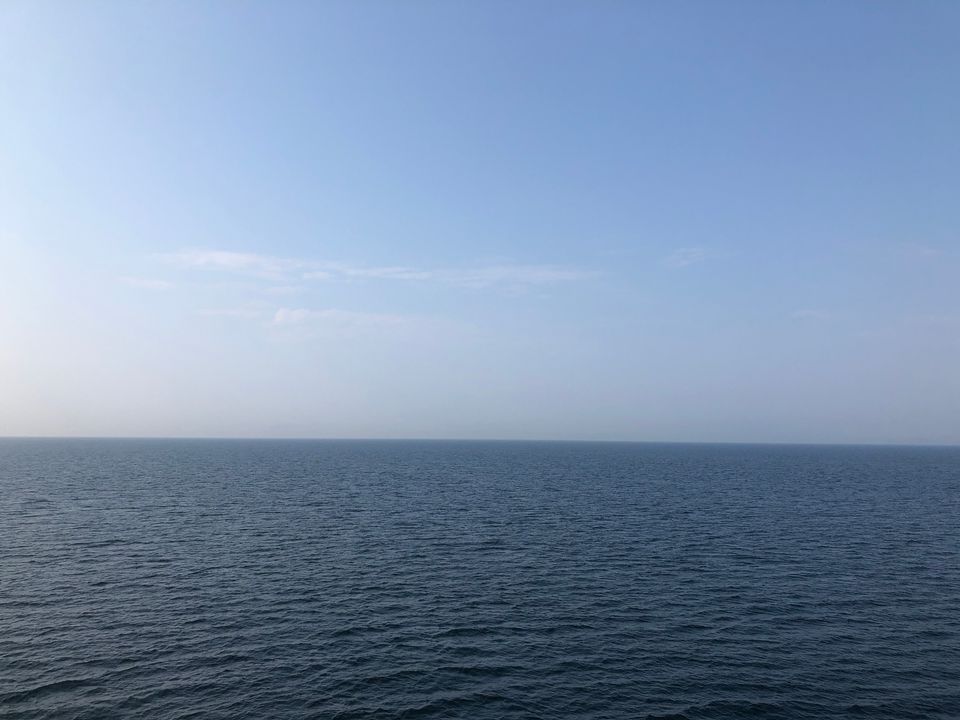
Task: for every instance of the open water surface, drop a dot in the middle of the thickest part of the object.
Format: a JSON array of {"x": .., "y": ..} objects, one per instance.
[{"x": 390, "y": 580}]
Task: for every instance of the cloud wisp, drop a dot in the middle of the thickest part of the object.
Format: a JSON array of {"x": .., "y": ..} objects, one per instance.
[
  {"x": 338, "y": 318},
  {"x": 316, "y": 319},
  {"x": 244, "y": 313},
  {"x": 684, "y": 257},
  {"x": 146, "y": 283},
  {"x": 513, "y": 275},
  {"x": 339, "y": 325},
  {"x": 291, "y": 271},
  {"x": 262, "y": 266},
  {"x": 269, "y": 278}
]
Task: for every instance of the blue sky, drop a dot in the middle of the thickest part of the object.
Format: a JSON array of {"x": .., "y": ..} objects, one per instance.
[{"x": 640, "y": 221}]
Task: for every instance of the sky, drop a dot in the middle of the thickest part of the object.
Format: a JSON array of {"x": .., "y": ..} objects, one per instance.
[{"x": 663, "y": 221}]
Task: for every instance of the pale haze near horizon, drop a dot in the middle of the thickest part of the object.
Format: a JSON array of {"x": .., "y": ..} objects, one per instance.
[{"x": 648, "y": 221}]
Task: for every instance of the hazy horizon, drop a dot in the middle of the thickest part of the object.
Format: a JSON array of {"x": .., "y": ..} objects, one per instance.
[
  {"x": 480, "y": 440},
  {"x": 566, "y": 221}
]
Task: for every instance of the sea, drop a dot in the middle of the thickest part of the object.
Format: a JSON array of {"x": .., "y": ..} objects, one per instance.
[{"x": 482, "y": 580}]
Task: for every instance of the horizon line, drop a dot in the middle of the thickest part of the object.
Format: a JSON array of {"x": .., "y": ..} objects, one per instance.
[{"x": 304, "y": 438}]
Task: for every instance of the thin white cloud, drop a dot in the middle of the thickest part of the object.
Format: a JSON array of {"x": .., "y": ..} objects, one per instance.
[
  {"x": 318, "y": 275},
  {"x": 684, "y": 257},
  {"x": 342, "y": 319},
  {"x": 241, "y": 313},
  {"x": 284, "y": 290},
  {"x": 235, "y": 262},
  {"x": 292, "y": 316},
  {"x": 289, "y": 271},
  {"x": 382, "y": 273},
  {"x": 146, "y": 283},
  {"x": 513, "y": 275}
]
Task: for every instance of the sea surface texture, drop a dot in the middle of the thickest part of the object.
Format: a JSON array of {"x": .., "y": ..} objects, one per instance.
[{"x": 389, "y": 580}]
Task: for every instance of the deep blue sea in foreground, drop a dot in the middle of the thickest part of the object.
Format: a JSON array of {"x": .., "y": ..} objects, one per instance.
[{"x": 480, "y": 580}]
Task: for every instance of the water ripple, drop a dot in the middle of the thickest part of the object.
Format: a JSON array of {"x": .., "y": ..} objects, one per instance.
[{"x": 218, "y": 579}]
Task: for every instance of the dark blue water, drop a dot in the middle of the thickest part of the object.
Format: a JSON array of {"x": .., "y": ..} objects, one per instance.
[{"x": 234, "y": 579}]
